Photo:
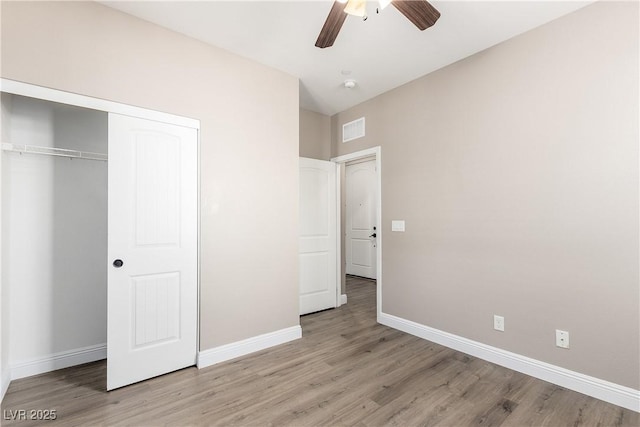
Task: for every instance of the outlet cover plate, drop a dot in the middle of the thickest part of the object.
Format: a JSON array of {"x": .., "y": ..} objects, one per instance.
[
  {"x": 562, "y": 339},
  {"x": 498, "y": 323}
]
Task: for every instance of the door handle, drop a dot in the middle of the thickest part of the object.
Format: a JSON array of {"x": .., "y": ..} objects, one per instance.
[
  {"x": 373, "y": 235},
  {"x": 118, "y": 263}
]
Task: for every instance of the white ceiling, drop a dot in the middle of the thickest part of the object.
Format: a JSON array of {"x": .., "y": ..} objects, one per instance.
[{"x": 382, "y": 53}]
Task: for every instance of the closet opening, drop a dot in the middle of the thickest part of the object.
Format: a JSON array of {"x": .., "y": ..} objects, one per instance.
[
  {"x": 76, "y": 292},
  {"x": 54, "y": 219}
]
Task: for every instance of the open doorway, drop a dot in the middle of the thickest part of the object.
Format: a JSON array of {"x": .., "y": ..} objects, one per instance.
[
  {"x": 361, "y": 234},
  {"x": 360, "y": 219}
]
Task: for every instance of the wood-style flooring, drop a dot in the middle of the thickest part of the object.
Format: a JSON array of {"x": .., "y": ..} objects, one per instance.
[{"x": 346, "y": 370}]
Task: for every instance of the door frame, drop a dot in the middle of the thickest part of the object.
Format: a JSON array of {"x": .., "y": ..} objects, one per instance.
[
  {"x": 62, "y": 97},
  {"x": 54, "y": 95},
  {"x": 377, "y": 153}
]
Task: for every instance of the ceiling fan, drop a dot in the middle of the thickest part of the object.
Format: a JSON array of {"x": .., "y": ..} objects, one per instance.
[{"x": 420, "y": 12}]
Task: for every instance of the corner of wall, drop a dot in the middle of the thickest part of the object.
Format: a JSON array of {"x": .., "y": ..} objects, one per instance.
[
  {"x": 334, "y": 136},
  {"x": 5, "y": 380},
  {"x": 250, "y": 345}
]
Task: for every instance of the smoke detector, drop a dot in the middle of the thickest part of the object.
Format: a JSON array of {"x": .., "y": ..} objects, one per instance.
[{"x": 349, "y": 84}]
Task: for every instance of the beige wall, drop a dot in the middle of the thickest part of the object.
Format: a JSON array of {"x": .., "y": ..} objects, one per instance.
[
  {"x": 516, "y": 171},
  {"x": 315, "y": 135},
  {"x": 249, "y": 143}
]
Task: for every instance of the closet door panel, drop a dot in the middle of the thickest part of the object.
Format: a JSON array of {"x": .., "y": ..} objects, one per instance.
[
  {"x": 152, "y": 239},
  {"x": 157, "y": 192}
]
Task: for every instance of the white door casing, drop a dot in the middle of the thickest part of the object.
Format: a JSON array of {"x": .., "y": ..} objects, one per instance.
[
  {"x": 152, "y": 229},
  {"x": 361, "y": 232},
  {"x": 318, "y": 279}
]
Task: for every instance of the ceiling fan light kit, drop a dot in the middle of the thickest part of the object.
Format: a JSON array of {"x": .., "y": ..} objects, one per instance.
[
  {"x": 356, "y": 8},
  {"x": 383, "y": 3},
  {"x": 419, "y": 12}
]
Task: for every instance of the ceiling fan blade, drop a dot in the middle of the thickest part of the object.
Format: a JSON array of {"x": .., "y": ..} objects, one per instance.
[
  {"x": 331, "y": 26},
  {"x": 420, "y": 12}
]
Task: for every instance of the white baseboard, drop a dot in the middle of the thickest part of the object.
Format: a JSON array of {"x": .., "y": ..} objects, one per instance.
[
  {"x": 247, "y": 346},
  {"x": 60, "y": 360},
  {"x": 5, "y": 380},
  {"x": 343, "y": 299},
  {"x": 600, "y": 389}
]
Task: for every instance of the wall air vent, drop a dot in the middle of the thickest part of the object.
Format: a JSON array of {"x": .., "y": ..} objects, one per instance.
[{"x": 353, "y": 130}]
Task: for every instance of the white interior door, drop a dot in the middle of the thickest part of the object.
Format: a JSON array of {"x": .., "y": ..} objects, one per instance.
[
  {"x": 361, "y": 219},
  {"x": 318, "y": 235},
  {"x": 152, "y": 237}
]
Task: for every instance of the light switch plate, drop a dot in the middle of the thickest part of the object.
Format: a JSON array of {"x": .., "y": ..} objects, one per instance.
[{"x": 397, "y": 225}]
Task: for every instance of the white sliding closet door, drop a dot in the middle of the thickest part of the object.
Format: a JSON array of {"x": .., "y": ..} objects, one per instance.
[{"x": 152, "y": 249}]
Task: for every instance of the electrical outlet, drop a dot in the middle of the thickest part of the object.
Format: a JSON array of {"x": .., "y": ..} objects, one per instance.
[
  {"x": 498, "y": 323},
  {"x": 562, "y": 339}
]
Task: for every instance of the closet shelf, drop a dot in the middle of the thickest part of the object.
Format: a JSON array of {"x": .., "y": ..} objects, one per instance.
[{"x": 51, "y": 151}]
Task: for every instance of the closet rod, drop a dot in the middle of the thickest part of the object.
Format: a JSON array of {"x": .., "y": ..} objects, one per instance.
[{"x": 51, "y": 151}]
